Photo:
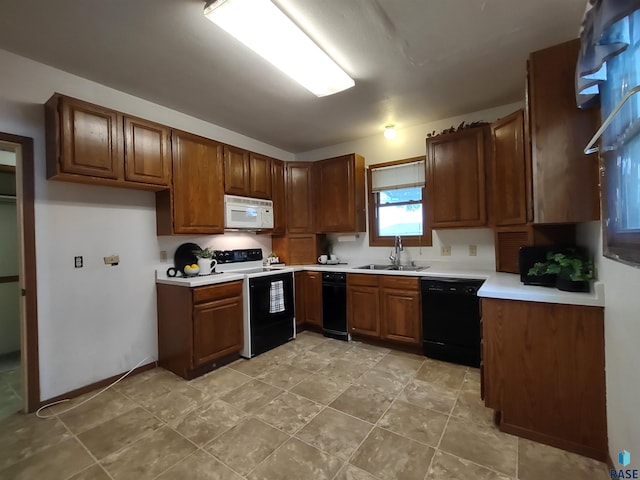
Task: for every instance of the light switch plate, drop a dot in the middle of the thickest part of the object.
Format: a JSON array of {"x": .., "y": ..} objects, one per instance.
[{"x": 445, "y": 250}]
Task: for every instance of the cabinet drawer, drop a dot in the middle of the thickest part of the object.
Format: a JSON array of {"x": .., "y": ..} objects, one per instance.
[
  {"x": 363, "y": 279},
  {"x": 216, "y": 292},
  {"x": 401, "y": 283}
]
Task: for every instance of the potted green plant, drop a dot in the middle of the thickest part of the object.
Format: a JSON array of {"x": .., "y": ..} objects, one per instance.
[
  {"x": 206, "y": 262},
  {"x": 204, "y": 253},
  {"x": 573, "y": 270}
]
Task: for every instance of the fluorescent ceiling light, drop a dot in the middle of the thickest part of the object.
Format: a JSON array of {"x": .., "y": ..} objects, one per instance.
[{"x": 266, "y": 30}]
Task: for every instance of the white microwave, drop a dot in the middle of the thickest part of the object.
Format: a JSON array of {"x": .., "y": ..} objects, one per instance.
[{"x": 247, "y": 213}]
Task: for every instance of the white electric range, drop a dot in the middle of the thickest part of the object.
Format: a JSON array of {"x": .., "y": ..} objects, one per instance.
[{"x": 268, "y": 299}]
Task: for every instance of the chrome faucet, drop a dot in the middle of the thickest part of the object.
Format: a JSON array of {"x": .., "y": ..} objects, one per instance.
[{"x": 395, "y": 257}]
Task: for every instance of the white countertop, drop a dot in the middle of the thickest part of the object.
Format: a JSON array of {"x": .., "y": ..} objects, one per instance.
[
  {"x": 505, "y": 286},
  {"x": 198, "y": 280}
]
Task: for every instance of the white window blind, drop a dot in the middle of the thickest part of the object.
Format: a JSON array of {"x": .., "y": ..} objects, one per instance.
[{"x": 406, "y": 175}]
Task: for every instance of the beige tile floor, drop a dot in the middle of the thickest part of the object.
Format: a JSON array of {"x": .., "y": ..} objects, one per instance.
[{"x": 314, "y": 408}]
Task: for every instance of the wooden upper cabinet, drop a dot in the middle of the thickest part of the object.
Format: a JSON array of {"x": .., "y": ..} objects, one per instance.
[
  {"x": 456, "y": 179},
  {"x": 565, "y": 180},
  {"x": 278, "y": 196},
  {"x": 196, "y": 205},
  {"x": 260, "y": 176},
  {"x": 246, "y": 174},
  {"x": 340, "y": 205},
  {"x": 87, "y": 143},
  {"x": 90, "y": 139},
  {"x": 147, "y": 152},
  {"x": 510, "y": 187},
  {"x": 236, "y": 171},
  {"x": 299, "y": 197}
]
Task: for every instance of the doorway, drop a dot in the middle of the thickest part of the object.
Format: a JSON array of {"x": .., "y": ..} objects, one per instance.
[
  {"x": 11, "y": 399},
  {"x": 19, "y": 370}
]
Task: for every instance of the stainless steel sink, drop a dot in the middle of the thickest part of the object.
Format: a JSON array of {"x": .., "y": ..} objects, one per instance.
[
  {"x": 373, "y": 266},
  {"x": 403, "y": 268},
  {"x": 406, "y": 268}
]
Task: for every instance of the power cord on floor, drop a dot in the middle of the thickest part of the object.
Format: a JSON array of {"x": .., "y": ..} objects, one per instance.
[{"x": 88, "y": 399}]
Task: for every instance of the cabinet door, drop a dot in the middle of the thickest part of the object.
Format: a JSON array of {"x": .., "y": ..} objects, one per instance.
[
  {"x": 510, "y": 183},
  {"x": 198, "y": 184},
  {"x": 363, "y": 310},
  {"x": 313, "y": 298},
  {"x": 300, "y": 297},
  {"x": 544, "y": 370},
  {"x": 456, "y": 179},
  {"x": 236, "y": 171},
  {"x": 91, "y": 140},
  {"x": 401, "y": 316},
  {"x": 278, "y": 197},
  {"x": 217, "y": 330},
  {"x": 565, "y": 180},
  {"x": 340, "y": 205},
  {"x": 147, "y": 154},
  {"x": 259, "y": 176},
  {"x": 493, "y": 355},
  {"x": 299, "y": 204}
]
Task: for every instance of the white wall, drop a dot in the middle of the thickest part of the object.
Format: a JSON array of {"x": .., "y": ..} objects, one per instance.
[
  {"x": 622, "y": 339},
  {"x": 410, "y": 142},
  {"x": 97, "y": 321}
]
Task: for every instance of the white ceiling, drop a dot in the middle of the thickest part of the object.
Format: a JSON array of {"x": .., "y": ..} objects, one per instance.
[{"x": 414, "y": 61}]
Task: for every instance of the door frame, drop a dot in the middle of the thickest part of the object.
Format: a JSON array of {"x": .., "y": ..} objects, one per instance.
[{"x": 29, "y": 317}]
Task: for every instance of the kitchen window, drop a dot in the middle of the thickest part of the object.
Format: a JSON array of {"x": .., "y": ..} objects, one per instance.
[
  {"x": 609, "y": 71},
  {"x": 396, "y": 203}
]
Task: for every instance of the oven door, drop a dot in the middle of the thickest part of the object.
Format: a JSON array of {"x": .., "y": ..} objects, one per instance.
[{"x": 271, "y": 317}]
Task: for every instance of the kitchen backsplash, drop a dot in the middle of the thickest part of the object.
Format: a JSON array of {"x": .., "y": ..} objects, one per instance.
[{"x": 358, "y": 250}]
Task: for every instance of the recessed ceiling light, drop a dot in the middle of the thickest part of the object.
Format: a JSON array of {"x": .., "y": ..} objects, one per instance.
[
  {"x": 390, "y": 132},
  {"x": 266, "y": 30}
]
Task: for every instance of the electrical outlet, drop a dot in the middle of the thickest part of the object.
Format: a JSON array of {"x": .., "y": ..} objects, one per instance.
[
  {"x": 78, "y": 261},
  {"x": 445, "y": 250},
  {"x": 112, "y": 260},
  {"x": 473, "y": 250},
  {"x": 163, "y": 256}
]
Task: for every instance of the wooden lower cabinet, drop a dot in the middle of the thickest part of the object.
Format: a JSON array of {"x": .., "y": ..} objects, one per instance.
[
  {"x": 384, "y": 307},
  {"x": 198, "y": 328},
  {"x": 300, "y": 300},
  {"x": 363, "y": 304},
  {"x": 543, "y": 370},
  {"x": 401, "y": 315},
  {"x": 313, "y": 298}
]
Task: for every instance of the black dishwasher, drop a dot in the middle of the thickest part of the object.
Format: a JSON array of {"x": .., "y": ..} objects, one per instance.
[
  {"x": 451, "y": 319},
  {"x": 334, "y": 305}
]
